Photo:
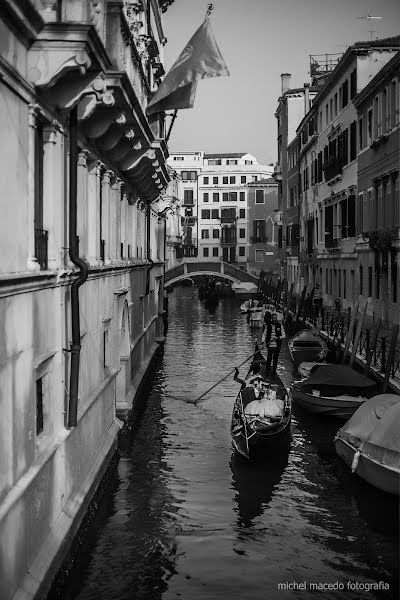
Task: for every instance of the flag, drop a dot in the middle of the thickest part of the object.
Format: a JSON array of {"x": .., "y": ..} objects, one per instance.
[{"x": 199, "y": 59}]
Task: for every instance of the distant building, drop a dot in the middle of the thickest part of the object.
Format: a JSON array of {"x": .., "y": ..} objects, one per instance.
[
  {"x": 263, "y": 231},
  {"x": 215, "y": 192}
]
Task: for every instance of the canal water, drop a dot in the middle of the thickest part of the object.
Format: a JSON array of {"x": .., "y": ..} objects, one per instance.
[{"x": 184, "y": 517}]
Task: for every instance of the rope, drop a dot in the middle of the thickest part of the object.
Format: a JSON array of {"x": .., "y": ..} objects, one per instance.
[{"x": 226, "y": 377}]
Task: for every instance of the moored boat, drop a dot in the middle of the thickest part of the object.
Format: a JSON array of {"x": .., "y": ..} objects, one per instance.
[
  {"x": 306, "y": 368},
  {"x": 307, "y": 346},
  {"x": 260, "y": 428},
  {"x": 333, "y": 390},
  {"x": 369, "y": 443}
]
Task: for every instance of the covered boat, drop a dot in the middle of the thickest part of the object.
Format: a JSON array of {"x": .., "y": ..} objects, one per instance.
[
  {"x": 307, "y": 346},
  {"x": 369, "y": 443},
  {"x": 333, "y": 390},
  {"x": 306, "y": 368},
  {"x": 259, "y": 428}
]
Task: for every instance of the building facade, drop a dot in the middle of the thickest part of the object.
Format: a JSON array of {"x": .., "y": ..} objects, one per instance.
[
  {"x": 82, "y": 260},
  {"x": 377, "y": 212},
  {"x": 215, "y": 193},
  {"x": 263, "y": 230}
]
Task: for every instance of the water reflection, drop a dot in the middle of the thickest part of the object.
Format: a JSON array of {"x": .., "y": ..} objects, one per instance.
[{"x": 254, "y": 484}]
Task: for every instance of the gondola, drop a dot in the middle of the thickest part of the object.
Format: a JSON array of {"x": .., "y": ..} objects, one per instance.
[
  {"x": 256, "y": 437},
  {"x": 333, "y": 391},
  {"x": 307, "y": 346}
]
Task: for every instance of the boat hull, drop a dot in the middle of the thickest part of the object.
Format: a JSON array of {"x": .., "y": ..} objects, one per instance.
[
  {"x": 304, "y": 354},
  {"x": 260, "y": 446},
  {"x": 377, "y": 474},
  {"x": 341, "y": 407}
]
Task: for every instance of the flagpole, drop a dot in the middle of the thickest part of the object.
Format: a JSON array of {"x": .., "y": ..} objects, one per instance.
[{"x": 171, "y": 124}]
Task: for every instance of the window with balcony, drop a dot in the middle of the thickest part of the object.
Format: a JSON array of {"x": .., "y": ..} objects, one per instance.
[
  {"x": 228, "y": 235},
  {"x": 228, "y": 215},
  {"x": 215, "y": 197}
]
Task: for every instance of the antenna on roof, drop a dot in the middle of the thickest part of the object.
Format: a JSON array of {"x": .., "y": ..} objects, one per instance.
[{"x": 370, "y": 17}]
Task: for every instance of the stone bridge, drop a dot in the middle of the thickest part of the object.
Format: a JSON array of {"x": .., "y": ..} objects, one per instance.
[{"x": 224, "y": 270}]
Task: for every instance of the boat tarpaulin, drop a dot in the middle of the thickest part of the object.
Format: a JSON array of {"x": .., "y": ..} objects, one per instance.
[
  {"x": 342, "y": 378},
  {"x": 374, "y": 429}
]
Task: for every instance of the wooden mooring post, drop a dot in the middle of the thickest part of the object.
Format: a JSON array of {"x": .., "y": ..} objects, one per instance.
[
  {"x": 372, "y": 346},
  {"x": 358, "y": 335},
  {"x": 350, "y": 332},
  {"x": 390, "y": 358}
]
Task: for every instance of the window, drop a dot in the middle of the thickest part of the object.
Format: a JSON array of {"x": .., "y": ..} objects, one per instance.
[
  {"x": 214, "y": 161},
  {"x": 242, "y": 233},
  {"x": 326, "y": 114},
  {"x": 39, "y": 406},
  {"x": 232, "y": 179},
  {"x": 188, "y": 175},
  {"x": 188, "y": 197},
  {"x": 215, "y": 233},
  {"x": 353, "y": 140},
  {"x": 225, "y": 180},
  {"x": 353, "y": 84},
  {"x": 205, "y": 234},
  {"x": 242, "y": 196},
  {"x": 377, "y": 125},
  {"x": 369, "y": 127},
  {"x": 215, "y": 197},
  {"x": 215, "y": 251},
  {"x": 215, "y": 213},
  {"x": 215, "y": 180},
  {"x": 242, "y": 213},
  {"x": 259, "y": 196},
  {"x": 254, "y": 177},
  {"x": 205, "y": 252},
  {"x": 243, "y": 179},
  {"x": 248, "y": 162},
  {"x": 393, "y": 96},
  {"x": 205, "y": 197},
  {"x": 331, "y": 109},
  {"x": 242, "y": 250},
  {"x": 232, "y": 196},
  {"x": 205, "y": 214},
  {"x": 361, "y": 271},
  {"x": 225, "y": 196},
  {"x": 259, "y": 255},
  {"x": 106, "y": 349},
  {"x": 360, "y": 133},
  {"x": 345, "y": 93},
  {"x": 231, "y": 162},
  {"x": 384, "y": 111},
  {"x": 258, "y": 230},
  {"x": 335, "y": 105},
  {"x": 206, "y": 180},
  {"x": 369, "y": 281}
]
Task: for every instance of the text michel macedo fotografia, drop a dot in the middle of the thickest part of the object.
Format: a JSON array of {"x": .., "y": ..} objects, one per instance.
[{"x": 337, "y": 585}]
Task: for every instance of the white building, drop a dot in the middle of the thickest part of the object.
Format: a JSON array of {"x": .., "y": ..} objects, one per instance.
[
  {"x": 218, "y": 183},
  {"x": 80, "y": 311}
]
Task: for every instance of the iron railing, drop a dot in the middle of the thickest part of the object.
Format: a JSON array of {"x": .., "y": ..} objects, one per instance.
[{"x": 41, "y": 250}]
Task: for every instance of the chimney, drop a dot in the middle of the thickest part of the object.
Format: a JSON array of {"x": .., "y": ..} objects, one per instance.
[
  {"x": 306, "y": 98},
  {"x": 285, "y": 78}
]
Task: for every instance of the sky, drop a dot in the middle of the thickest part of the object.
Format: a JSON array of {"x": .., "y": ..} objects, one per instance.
[{"x": 259, "y": 40}]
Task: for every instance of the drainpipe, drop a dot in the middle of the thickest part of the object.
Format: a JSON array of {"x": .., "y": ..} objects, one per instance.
[{"x": 75, "y": 348}]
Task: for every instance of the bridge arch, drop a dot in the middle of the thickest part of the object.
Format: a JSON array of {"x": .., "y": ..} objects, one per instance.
[
  {"x": 189, "y": 269},
  {"x": 201, "y": 274}
]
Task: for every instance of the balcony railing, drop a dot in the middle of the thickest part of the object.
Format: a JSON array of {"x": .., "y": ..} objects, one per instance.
[
  {"x": 228, "y": 219},
  {"x": 41, "y": 241},
  {"x": 186, "y": 251}
]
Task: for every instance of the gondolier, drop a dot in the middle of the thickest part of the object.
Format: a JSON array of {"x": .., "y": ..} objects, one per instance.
[{"x": 272, "y": 337}]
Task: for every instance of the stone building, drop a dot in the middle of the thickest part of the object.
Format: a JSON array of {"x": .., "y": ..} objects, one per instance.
[
  {"x": 82, "y": 259},
  {"x": 262, "y": 205}
]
